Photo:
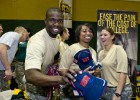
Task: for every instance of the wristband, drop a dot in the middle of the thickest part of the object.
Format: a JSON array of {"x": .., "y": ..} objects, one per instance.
[{"x": 117, "y": 94}]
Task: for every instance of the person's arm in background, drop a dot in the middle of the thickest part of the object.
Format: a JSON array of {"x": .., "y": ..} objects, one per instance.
[
  {"x": 121, "y": 84},
  {"x": 4, "y": 60}
]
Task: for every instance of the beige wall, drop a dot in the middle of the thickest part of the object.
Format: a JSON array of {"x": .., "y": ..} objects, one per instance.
[{"x": 83, "y": 10}]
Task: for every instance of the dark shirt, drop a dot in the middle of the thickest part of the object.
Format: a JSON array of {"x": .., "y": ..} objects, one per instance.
[{"x": 21, "y": 53}]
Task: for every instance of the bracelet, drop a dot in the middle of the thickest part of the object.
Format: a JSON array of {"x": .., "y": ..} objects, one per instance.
[{"x": 117, "y": 94}]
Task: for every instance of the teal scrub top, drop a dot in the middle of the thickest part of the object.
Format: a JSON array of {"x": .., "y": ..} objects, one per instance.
[{"x": 21, "y": 53}]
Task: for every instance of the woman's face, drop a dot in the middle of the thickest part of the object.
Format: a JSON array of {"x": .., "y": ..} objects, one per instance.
[
  {"x": 106, "y": 38},
  {"x": 85, "y": 34}
]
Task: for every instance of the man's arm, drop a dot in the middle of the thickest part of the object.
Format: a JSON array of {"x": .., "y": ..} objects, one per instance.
[
  {"x": 35, "y": 77},
  {"x": 4, "y": 60}
]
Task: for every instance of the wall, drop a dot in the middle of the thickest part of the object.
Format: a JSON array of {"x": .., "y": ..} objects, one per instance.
[{"x": 82, "y": 10}]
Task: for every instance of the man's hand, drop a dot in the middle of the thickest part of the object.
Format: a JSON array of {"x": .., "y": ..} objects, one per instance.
[
  {"x": 8, "y": 74},
  {"x": 70, "y": 76}
]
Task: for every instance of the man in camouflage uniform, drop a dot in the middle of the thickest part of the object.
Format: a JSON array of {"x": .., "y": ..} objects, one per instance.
[{"x": 41, "y": 49}]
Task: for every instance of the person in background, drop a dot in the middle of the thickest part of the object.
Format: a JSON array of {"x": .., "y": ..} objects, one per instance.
[
  {"x": 41, "y": 49},
  {"x": 19, "y": 62},
  {"x": 8, "y": 47},
  {"x": 115, "y": 68},
  {"x": 64, "y": 35},
  {"x": 1, "y": 30},
  {"x": 84, "y": 34}
]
